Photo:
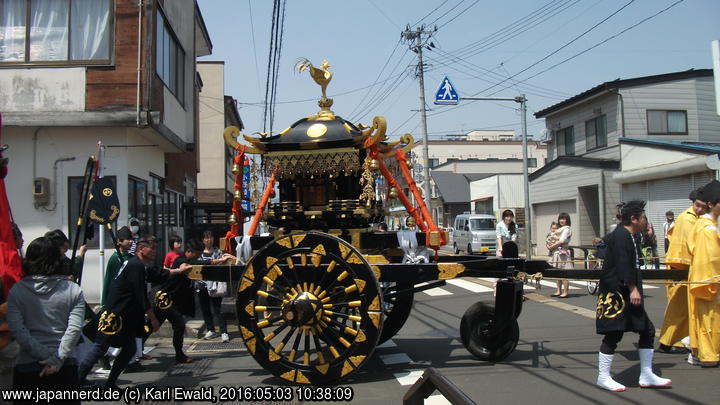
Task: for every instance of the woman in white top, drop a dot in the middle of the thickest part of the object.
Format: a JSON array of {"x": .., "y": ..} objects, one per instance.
[
  {"x": 561, "y": 253},
  {"x": 505, "y": 231}
]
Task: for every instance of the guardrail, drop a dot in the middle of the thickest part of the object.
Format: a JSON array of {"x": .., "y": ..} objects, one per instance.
[{"x": 430, "y": 381}]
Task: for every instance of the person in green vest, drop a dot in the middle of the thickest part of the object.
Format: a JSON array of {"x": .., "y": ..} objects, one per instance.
[{"x": 125, "y": 240}]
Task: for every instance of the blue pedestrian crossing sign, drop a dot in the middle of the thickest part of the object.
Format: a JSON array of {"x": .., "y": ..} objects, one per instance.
[{"x": 446, "y": 94}]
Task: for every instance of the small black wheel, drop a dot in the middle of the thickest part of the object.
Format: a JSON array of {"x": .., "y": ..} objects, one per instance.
[
  {"x": 455, "y": 249},
  {"x": 474, "y": 333},
  {"x": 396, "y": 308},
  {"x": 469, "y": 250}
]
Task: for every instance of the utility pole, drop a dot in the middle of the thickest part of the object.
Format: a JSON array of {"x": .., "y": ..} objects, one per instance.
[
  {"x": 418, "y": 39},
  {"x": 526, "y": 182}
]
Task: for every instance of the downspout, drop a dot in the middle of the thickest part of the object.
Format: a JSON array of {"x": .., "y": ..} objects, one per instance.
[
  {"x": 139, "y": 59},
  {"x": 603, "y": 213},
  {"x": 622, "y": 110}
]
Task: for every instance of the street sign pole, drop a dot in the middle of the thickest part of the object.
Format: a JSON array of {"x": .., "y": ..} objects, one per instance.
[{"x": 526, "y": 182}]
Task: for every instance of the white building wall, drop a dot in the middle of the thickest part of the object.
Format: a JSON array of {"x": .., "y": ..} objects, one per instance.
[
  {"x": 212, "y": 123},
  {"x": 62, "y": 142},
  {"x": 511, "y": 191},
  {"x": 52, "y": 89},
  {"x": 480, "y": 150}
]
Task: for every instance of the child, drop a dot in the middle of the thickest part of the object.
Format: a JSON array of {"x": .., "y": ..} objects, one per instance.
[
  {"x": 552, "y": 237},
  {"x": 176, "y": 250}
]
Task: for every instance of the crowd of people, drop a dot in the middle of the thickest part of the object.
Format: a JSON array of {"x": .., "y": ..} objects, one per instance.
[{"x": 48, "y": 316}]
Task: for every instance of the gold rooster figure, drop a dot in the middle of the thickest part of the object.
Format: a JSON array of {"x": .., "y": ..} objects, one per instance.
[{"x": 322, "y": 76}]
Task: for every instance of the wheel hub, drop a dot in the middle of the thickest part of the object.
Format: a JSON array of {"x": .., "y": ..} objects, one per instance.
[{"x": 303, "y": 309}]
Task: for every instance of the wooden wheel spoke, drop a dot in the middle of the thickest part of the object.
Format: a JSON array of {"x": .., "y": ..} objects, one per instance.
[
  {"x": 268, "y": 322},
  {"x": 318, "y": 348},
  {"x": 306, "y": 354},
  {"x": 296, "y": 344},
  {"x": 286, "y": 339}
]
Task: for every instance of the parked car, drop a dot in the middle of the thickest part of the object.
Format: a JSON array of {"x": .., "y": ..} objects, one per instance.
[{"x": 474, "y": 233}]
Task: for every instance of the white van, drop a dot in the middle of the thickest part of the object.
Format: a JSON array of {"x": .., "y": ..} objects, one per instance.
[{"x": 474, "y": 233}]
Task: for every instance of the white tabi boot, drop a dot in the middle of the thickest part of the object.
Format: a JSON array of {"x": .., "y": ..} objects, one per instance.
[
  {"x": 604, "y": 380},
  {"x": 648, "y": 379}
]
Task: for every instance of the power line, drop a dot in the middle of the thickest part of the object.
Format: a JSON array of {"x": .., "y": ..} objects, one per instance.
[
  {"x": 252, "y": 33},
  {"x": 565, "y": 45},
  {"x": 397, "y": 45},
  {"x": 603, "y": 41},
  {"x": 570, "y": 58},
  {"x": 458, "y": 14},
  {"x": 529, "y": 21},
  {"x": 532, "y": 89},
  {"x": 428, "y": 14}
]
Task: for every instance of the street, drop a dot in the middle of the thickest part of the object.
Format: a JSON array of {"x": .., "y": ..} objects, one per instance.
[{"x": 554, "y": 362}]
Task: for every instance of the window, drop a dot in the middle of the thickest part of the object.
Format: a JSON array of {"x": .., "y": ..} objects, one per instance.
[
  {"x": 596, "y": 133},
  {"x": 671, "y": 122},
  {"x": 565, "y": 142},
  {"x": 169, "y": 59},
  {"x": 434, "y": 162},
  {"x": 55, "y": 31},
  {"x": 75, "y": 186},
  {"x": 532, "y": 162},
  {"x": 137, "y": 201}
]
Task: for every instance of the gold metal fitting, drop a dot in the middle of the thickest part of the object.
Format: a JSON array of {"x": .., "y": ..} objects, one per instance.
[
  {"x": 236, "y": 169},
  {"x": 374, "y": 164},
  {"x": 232, "y": 220},
  {"x": 409, "y": 164},
  {"x": 237, "y": 195},
  {"x": 393, "y": 193}
]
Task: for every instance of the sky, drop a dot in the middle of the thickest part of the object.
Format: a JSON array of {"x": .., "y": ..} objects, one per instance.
[{"x": 548, "y": 50}]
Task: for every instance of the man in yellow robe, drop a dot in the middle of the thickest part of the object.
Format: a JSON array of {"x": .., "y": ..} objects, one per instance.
[
  {"x": 675, "y": 324},
  {"x": 703, "y": 297}
]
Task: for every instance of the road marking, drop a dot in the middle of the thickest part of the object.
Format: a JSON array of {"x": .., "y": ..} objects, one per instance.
[
  {"x": 408, "y": 377},
  {"x": 395, "y": 358},
  {"x": 469, "y": 285},
  {"x": 437, "y": 399},
  {"x": 553, "y": 284},
  {"x": 388, "y": 343},
  {"x": 434, "y": 292}
]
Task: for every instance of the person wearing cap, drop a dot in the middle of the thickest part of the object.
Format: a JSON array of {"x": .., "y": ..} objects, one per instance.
[
  {"x": 704, "y": 274},
  {"x": 124, "y": 240},
  {"x": 669, "y": 222},
  {"x": 675, "y": 323}
]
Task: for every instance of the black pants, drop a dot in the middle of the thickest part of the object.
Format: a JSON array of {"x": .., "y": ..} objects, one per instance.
[
  {"x": 611, "y": 340},
  {"x": 178, "y": 325},
  {"x": 127, "y": 351},
  {"x": 65, "y": 379},
  {"x": 211, "y": 308}
]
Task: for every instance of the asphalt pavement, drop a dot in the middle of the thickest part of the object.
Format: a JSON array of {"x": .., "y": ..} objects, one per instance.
[{"x": 554, "y": 363}]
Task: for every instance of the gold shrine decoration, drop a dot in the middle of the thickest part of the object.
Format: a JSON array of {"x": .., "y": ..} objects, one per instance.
[
  {"x": 333, "y": 163},
  {"x": 321, "y": 76},
  {"x": 230, "y": 135},
  {"x": 367, "y": 180}
]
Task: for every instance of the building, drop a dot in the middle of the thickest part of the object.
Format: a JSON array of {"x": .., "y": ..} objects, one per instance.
[
  {"x": 217, "y": 112},
  {"x": 663, "y": 173},
  {"x": 215, "y": 181},
  {"x": 584, "y": 152},
  {"x": 129, "y": 81},
  {"x": 482, "y": 153}
]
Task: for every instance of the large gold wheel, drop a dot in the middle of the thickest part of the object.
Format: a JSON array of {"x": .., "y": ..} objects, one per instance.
[{"x": 309, "y": 308}]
